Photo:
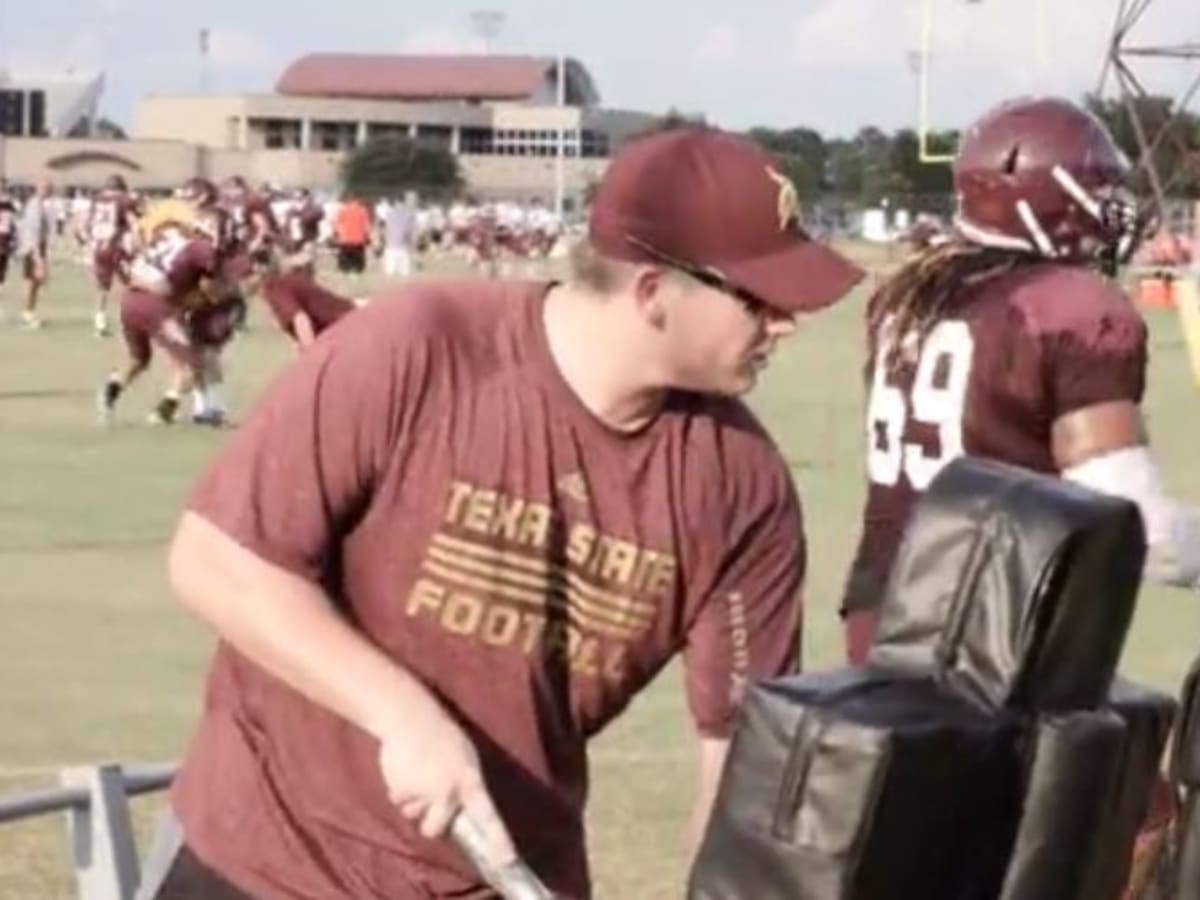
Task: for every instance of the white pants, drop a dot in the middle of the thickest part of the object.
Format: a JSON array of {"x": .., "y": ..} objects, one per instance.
[{"x": 397, "y": 262}]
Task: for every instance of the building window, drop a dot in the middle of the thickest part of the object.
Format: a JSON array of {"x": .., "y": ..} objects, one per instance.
[
  {"x": 595, "y": 144},
  {"x": 382, "y": 130},
  {"x": 12, "y": 113},
  {"x": 437, "y": 135},
  {"x": 334, "y": 136},
  {"x": 479, "y": 141},
  {"x": 275, "y": 134}
]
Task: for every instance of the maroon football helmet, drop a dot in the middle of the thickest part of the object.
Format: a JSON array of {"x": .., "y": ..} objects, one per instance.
[
  {"x": 115, "y": 182},
  {"x": 199, "y": 191},
  {"x": 1044, "y": 176}
]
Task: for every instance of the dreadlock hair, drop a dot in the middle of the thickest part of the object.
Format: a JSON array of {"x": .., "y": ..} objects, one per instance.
[{"x": 928, "y": 286}]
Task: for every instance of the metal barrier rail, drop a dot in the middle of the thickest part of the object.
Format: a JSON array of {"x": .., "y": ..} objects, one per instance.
[{"x": 99, "y": 825}]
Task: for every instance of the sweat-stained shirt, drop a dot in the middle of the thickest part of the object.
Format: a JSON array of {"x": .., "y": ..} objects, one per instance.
[{"x": 427, "y": 464}]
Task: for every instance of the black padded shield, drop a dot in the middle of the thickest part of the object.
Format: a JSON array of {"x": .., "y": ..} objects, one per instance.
[
  {"x": 854, "y": 786},
  {"x": 1185, "y": 758},
  {"x": 1013, "y": 588},
  {"x": 1087, "y": 789}
]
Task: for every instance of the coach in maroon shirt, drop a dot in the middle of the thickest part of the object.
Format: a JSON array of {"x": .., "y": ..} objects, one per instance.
[{"x": 459, "y": 535}]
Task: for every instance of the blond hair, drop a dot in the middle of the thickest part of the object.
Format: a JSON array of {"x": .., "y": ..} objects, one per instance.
[{"x": 593, "y": 271}]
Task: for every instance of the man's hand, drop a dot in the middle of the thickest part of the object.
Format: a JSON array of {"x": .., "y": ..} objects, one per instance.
[
  {"x": 713, "y": 752},
  {"x": 431, "y": 771}
]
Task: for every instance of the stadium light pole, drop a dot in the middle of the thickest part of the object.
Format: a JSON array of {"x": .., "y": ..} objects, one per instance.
[
  {"x": 559, "y": 163},
  {"x": 487, "y": 24}
]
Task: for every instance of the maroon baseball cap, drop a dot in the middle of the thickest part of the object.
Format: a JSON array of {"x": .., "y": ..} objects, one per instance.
[{"x": 713, "y": 202}]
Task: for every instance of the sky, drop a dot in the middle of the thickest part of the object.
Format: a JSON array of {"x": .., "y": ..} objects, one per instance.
[{"x": 834, "y": 65}]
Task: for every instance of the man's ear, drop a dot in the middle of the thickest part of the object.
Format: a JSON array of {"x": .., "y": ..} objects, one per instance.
[{"x": 650, "y": 286}]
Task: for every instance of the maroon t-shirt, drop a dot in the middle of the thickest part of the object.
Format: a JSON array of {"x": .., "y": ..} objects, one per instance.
[
  {"x": 1013, "y": 355},
  {"x": 427, "y": 464}
]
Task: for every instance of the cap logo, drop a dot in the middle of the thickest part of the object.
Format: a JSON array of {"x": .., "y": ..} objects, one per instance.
[{"x": 787, "y": 203}]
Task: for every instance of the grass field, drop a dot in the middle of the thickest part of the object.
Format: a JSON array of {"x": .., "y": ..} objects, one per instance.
[{"x": 97, "y": 663}]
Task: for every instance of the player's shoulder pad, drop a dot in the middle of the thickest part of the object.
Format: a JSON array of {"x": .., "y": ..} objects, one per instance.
[
  {"x": 1073, "y": 306},
  {"x": 1056, "y": 298}
]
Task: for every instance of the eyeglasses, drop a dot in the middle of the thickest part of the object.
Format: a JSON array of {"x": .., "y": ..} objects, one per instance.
[{"x": 713, "y": 278}]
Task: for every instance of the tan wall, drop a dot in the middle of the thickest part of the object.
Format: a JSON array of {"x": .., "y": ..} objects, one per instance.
[
  {"x": 216, "y": 121},
  {"x": 208, "y": 121},
  {"x": 350, "y": 110},
  {"x": 87, "y": 163},
  {"x": 514, "y": 116},
  {"x": 166, "y": 164},
  {"x": 286, "y": 168}
]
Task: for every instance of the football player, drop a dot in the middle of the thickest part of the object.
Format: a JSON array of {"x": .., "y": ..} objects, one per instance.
[
  {"x": 109, "y": 230},
  {"x": 8, "y": 233},
  {"x": 300, "y": 233},
  {"x": 255, "y": 231},
  {"x": 174, "y": 278},
  {"x": 1008, "y": 340}
]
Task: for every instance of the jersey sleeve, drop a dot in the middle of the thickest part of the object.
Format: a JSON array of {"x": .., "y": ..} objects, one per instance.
[
  {"x": 196, "y": 260},
  {"x": 749, "y": 625},
  {"x": 302, "y": 469}
]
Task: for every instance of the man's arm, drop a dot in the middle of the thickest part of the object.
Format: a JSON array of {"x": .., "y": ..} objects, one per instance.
[
  {"x": 288, "y": 627},
  {"x": 712, "y": 762},
  {"x": 1105, "y": 447},
  {"x": 302, "y": 329}
]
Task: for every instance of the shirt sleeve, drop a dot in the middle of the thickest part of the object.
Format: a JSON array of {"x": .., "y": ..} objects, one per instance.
[
  {"x": 749, "y": 626},
  {"x": 303, "y": 468}
]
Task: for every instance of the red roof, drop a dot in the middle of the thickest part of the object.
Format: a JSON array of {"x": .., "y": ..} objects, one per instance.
[{"x": 415, "y": 77}]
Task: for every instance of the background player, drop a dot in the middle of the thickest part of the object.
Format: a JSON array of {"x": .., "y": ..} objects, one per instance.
[{"x": 1006, "y": 341}]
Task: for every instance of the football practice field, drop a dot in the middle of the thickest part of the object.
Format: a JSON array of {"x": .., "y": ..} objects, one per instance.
[{"x": 98, "y": 663}]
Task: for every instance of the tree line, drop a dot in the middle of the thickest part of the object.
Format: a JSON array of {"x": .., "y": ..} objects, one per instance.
[
  {"x": 869, "y": 169},
  {"x": 874, "y": 167}
]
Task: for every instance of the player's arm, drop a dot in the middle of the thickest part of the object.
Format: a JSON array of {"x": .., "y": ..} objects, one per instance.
[
  {"x": 1105, "y": 447},
  {"x": 302, "y": 329},
  {"x": 748, "y": 628}
]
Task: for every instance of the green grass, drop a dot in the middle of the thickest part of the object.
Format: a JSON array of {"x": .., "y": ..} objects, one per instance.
[{"x": 97, "y": 663}]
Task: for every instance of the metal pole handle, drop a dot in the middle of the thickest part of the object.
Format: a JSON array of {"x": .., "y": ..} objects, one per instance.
[{"x": 515, "y": 881}]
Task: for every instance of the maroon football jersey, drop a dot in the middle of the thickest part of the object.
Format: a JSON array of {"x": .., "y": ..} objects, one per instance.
[
  {"x": 1011, "y": 356},
  {"x": 253, "y": 222},
  {"x": 110, "y": 218},
  {"x": 173, "y": 262},
  {"x": 427, "y": 464}
]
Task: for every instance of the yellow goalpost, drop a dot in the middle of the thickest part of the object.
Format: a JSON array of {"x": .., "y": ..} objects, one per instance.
[{"x": 929, "y": 9}]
